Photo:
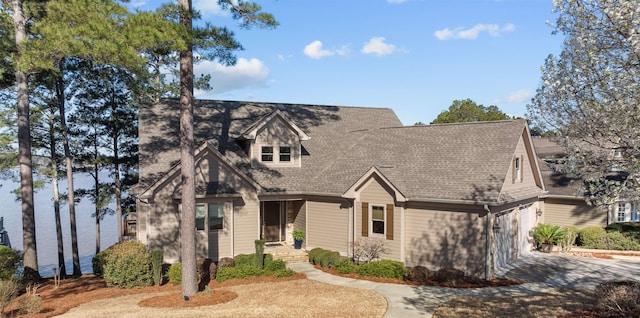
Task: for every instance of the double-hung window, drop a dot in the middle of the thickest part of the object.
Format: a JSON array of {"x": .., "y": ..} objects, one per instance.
[
  {"x": 267, "y": 154},
  {"x": 621, "y": 215},
  {"x": 209, "y": 216},
  {"x": 635, "y": 217},
  {"x": 285, "y": 154},
  {"x": 377, "y": 220}
]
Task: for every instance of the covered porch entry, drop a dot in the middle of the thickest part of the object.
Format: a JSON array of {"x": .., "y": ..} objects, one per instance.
[{"x": 278, "y": 219}]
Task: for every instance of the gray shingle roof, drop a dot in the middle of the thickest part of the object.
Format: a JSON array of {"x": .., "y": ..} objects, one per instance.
[
  {"x": 556, "y": 183},
  {"x": 449, "y": 162}
]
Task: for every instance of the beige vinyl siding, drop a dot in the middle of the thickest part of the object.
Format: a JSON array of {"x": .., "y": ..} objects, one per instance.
[
  {"x": 438, "y": 238},
  {"x": 328, "y": 225},
  {"x": 296, "y": 219},
  {"x": 528, "y": 181},
  {"x": 164, "y": 219},
  {"x": 141, "y": 226},
  {"x": 246, "y": 213},
  {"x": 572, "y": 212},
  {"x": 373, "y": 192},
  {"x": 277, "y": 133},
  {"x": 163, "y": 224},
  {"x": 300, "y": 215}
]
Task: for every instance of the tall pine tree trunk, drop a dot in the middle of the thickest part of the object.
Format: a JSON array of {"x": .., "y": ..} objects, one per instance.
[
  {"x": 69, "y": 167},
  {"x": 30, "y": 255},
  {"x": 96, "y": 189},
  {"x": 188, "y": 222},
  {"x": 116, "y": 168},
  {"x": 56, "y": 196}
]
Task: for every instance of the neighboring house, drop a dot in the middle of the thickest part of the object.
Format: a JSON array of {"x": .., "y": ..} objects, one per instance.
[
  {"x": 451, "y": 195},
  {"x": 565, "y": 204}
]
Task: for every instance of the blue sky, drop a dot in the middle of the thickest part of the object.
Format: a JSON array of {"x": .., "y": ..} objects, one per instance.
[{"x": 413, "y": 56}]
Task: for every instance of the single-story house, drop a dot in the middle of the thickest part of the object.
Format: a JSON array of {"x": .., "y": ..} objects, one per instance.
[{"x": 451, "y": 195}]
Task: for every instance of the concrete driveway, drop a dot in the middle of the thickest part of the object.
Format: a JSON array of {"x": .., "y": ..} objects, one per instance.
[
  {"x": 555, "y": 271},
  {"x": 541, "y": 272}
]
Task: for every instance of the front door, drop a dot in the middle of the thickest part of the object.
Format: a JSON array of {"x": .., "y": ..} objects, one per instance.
[{"x": 272, "y": 220}]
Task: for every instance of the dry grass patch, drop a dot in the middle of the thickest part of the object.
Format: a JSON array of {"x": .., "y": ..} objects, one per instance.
[
  {"x": 558, "y": 303},
  {"x": 290, "y": 298}
]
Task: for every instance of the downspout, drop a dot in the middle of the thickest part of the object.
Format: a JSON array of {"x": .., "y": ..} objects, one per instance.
[
  {"x": 349, "y": 229},
  {"x": 402, "y": 233},
  {"x": 233, "y": 231},
  {"x": 353, "y": 226},
  {"x": 488, "y": 228}
]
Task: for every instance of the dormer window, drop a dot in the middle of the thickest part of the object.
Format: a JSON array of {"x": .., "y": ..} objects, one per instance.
[
  {"x": 267, "y": 154},
  {"x": 285, "y": 154},
  {"x": 273, "y": 140}
]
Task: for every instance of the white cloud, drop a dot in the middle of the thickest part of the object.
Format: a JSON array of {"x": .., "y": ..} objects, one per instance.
[
  {"x": 315, "y": 50},
  {"x": 519, "y": 96},
  {"x": 209, "y": 8},
  {"x": 474, "y": 32},
  {"x": 245, "y": 74},
  {"x": 377, "y": 46}
]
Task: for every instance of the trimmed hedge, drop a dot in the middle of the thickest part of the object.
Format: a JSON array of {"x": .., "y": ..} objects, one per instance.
[
  {"x": 345, "y": 266},
  {"x": 591, "y": 237},
  {"x": 322, "y": 257},
  {"x": 175, "y": 273},
  {"x": 126, "y": 264},
  {"x": 250, "y": 259},
  {"x": 245, "y": 267},
  {"x": 620, "y": 236},
  {"x": 314, "y": 255},
  {"x": 383, "y": 268}
]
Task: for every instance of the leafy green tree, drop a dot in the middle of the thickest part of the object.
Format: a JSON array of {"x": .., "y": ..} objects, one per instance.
[
  {"x": 589, "y": 96},
  {"x": 99, "y": 31},
  {"x": 468, "y": 111}
]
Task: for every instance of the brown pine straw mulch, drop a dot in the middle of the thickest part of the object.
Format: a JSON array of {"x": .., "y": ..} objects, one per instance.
[
  {"x": 73, "y": 292},
  {"x": 467, "y": 282}
]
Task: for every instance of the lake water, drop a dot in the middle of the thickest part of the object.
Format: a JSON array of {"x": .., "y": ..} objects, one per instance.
[{"x": 47, "y": 244}]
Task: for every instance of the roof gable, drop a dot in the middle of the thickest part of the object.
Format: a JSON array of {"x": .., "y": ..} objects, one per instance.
[
  {"x": 211, "y": 187},
  {"x": 252, "y": 131},
  {"x": 352, "y": 192}
]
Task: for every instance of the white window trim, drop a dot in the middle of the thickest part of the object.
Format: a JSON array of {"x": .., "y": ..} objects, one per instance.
[
  {"x": 276, "y": 154},
  {"x": 624, "y": 213},
  {"x": 634, "y": 212},
  {"x": 273, "y": 153},
  {"x": 206, "y": 216},
  {"x": 290, "y": 153},
  {"x": 384, "y": 217}
]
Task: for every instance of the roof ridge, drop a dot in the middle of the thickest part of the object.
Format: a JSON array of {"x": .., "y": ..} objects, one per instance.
[
  {"x": 281, "y": 103},
  {"x": 474, "y": 122}
]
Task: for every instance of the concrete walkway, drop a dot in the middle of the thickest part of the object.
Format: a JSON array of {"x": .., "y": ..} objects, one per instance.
[{"x": 541, "y": 272}]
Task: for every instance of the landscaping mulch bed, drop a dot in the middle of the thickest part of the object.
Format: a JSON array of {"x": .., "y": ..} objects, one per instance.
[
  {"x": 73, "y": 292},
  {"x": 467, "y": 282}
]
